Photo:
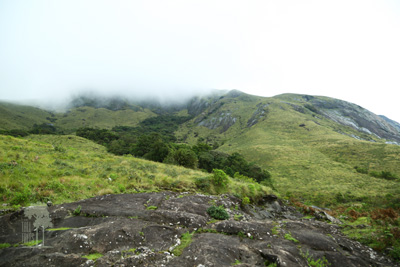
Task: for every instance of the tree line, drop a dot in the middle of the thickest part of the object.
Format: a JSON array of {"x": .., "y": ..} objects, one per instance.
[{"x": 157, "y": 147}]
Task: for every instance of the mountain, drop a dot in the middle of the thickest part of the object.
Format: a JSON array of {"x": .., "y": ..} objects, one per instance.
[
  {"x": 310, "y": 144},
  {"x": 15, "y": 116},
  {"x": 319, "y": 151}
]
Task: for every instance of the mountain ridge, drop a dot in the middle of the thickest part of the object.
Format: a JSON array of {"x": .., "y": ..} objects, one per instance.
[{"x": 339, "y": 111}]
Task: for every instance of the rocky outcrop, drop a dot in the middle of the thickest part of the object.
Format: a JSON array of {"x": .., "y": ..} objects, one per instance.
[
  {"x": 145, "y": 229},
  {"x": 356, "y": 117}
]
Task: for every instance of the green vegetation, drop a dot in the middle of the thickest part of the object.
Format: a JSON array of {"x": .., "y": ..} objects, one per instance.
[
  {"x": 311, "y": 160},
  {"x": 59, "y": 229},
  {"x": 288, "y": 236},
  {"x": 156, "y": 147},
  {"x": 218, "y": 213},
  {"x": 186, "y": 239},
  {"x": 35, "y": 169},
  {"x": 219, "y": 179},
  {"x": 93, "y": 256},
  {"x": 32, "y": 243},
  {"x": 314, "y": 263},
  {"x": 77, "y": 211},
  {"x": 237, "y": 262},
  {"x": 152, "y": 208},
  {"x": 4, "y": 245}
]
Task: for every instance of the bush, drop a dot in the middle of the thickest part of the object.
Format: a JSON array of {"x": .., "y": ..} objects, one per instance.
[
  {"x": 395, "y": 253},
  {"x": 384, "y": 175},
  {"x": 218, "y": 213},
  {"x": 220, "y": 179},
  {"x": 21, "y": 198},
  {"x": 361, "y": 170},
  {"x": 203, "y": 183}
]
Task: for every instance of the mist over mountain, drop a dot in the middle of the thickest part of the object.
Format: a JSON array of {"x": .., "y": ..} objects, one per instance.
[{"x": 213, "y": 110}]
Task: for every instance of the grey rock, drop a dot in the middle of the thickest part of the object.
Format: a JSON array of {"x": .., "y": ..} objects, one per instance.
[{"x": 126, "y": 233}]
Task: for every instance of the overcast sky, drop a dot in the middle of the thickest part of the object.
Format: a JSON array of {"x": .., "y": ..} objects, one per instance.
[{"x": 344, "y": 49}]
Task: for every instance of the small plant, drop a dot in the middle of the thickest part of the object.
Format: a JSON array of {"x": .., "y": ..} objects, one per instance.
[
  {"x": 275, "y": 230},
  {"x": 218, "y": 213},
  {"x": 237, "y": 217},
  {"x": 314, "y": 263},
  {"x": 236, "y": 262},
  {"x": 93, "y": 256},
  {"x": 4, "y": 245},
  {"x": 186, "y": 239},
  {"x": 59, "y": 148},
  {"x": 245, "y": 201},
  {"x": 269, "y": 264},
  {"x": 241, "y": 234},
  {"x": 151, "y": 208},
  {"x": 289, "y": 237},
  {"x": 77, "y": 211}
]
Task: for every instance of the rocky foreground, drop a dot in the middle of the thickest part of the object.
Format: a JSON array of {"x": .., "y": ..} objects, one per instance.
[{"x": 146, "y": 229}]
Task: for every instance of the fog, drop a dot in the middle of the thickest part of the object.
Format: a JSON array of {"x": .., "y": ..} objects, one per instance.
[{"x": 51, "y": 51}]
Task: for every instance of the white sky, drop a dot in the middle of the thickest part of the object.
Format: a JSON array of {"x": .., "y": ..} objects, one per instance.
[{"x": 344, "y": 49}]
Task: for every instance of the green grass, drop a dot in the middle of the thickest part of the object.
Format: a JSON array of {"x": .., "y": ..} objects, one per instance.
[
  {"x": 288, "y": 236},
  {"x": 35, "y": 169},
  {"x": 323, "y": 262},
  {"x": 186, "y": 239},
  {"x": 15, "y": 116},
  {"x": 32, "y": 243},
  {"x": 311, "y": 165},
  {"x": 93, "y": 256},
  {"x": 59, "y": 229},
  {"x": 100, "y": 118},
  {"x": 5, "y": 245}
]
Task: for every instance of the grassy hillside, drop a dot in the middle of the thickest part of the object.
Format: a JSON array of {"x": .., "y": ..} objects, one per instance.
[
  {"x": 308, "y": 155},
  {"x": 69, "y": 168},
  {"x": 13, "y": 116},
  {"x": 100, "y": 118},
  {"x": 313, "y": 160}
]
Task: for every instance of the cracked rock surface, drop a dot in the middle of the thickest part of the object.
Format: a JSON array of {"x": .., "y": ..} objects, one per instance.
[{"x": 144, "y": 229}]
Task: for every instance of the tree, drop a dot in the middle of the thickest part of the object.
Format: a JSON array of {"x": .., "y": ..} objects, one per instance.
[
  {"x": 158, "y": 152},
  {"x": 185, "y": 157}
]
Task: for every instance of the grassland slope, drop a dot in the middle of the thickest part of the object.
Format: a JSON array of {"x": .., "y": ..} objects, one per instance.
[
  {"x": 308, "y": 153},
  {"x": 66, "y": 168}
]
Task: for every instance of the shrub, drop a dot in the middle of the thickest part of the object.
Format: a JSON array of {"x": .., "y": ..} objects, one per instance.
[
  {"x": 202, "y": 183},
  {"x": 218, "y": 213},
  {"x": 361, "y": 170},
  {"x": 395, "y": 253},
  {"x": 384, "y": 175},
  {"x": 21, "y": 198},
  {"x": 245, "y": 200},
  {"x": 220, "y": 179}
]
